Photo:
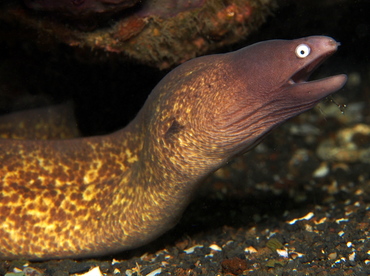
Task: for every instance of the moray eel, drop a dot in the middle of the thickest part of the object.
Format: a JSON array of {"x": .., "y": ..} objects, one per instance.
[
  {"x": 46, "y": 123},
  {"x": 98, "y": 195}
]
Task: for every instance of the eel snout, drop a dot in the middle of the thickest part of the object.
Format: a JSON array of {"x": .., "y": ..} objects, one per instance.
[{"x": 314, "y": 51}]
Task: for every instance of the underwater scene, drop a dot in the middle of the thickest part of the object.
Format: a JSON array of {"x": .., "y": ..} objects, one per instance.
[{"x": 184, "y": 137}]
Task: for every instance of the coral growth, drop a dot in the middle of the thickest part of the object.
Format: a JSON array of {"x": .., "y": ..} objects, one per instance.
[{"x": 161, "y": 33}]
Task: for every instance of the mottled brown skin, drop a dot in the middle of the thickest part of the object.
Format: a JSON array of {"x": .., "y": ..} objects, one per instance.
[{"x": 98, "y": 195}]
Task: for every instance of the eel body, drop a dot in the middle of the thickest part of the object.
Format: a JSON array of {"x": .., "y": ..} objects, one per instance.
[
  {"x": 43, "y": 123},
  {"x": 98, "y": 195}
]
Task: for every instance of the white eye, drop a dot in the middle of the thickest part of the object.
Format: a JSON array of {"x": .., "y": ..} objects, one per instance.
[{"x": 302, "y": 50}]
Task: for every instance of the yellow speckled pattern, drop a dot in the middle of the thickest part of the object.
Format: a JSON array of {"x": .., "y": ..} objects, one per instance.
[{"x": 98, "y": 195}]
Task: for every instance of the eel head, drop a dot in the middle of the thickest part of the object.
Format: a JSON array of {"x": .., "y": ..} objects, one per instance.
[{"x": 215, "y": 107}]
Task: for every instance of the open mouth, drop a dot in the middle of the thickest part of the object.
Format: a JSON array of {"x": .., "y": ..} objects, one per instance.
[
  {"x": 303, "y": 74},
  {"x": 315, "y": 90}
]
